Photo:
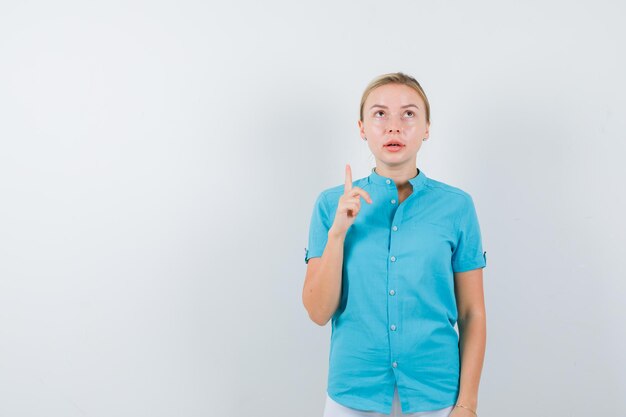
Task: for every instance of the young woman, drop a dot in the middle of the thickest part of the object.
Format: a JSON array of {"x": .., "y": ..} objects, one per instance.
[{"x": 396, "y": 274}]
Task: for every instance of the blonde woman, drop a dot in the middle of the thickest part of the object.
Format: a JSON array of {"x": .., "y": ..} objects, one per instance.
[{"x": 395, "y": 272}]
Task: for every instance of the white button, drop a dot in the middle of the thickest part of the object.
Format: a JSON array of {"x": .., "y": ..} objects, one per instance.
[
  {"x": 388, "y": 181},
  {"x": 393, "y": 327},
  {"x": 393, "y": 201},
  {"x": 393, "y": 259},
  {"x": 392, "y": 292},
  {"x": 394, "y": 364},
  {"x": 395, "y": 228}
]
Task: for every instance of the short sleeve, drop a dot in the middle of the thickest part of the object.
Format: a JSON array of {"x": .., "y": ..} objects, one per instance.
[
  {"x": 318, "y": 229},
  {"x": 468, "y": 253}
]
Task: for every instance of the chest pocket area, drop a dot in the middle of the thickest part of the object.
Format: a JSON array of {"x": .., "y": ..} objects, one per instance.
[
  {"x": 432, "y": 238},
  {"x": 416, "y": 223}
]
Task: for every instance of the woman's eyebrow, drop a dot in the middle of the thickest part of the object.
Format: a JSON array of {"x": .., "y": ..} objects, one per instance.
[{"x": 385, "y": 107}]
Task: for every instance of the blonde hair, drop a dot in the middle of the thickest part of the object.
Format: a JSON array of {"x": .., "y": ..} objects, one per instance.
[{"x": 395, "y": 78}]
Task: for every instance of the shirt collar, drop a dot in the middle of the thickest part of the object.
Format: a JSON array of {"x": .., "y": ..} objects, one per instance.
[{"x": 417, "y": 181}]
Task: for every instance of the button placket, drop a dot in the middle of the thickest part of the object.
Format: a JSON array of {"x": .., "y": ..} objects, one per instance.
[
  {"x": 392, "y": 282},
  {"x": 392, "y": 274}
]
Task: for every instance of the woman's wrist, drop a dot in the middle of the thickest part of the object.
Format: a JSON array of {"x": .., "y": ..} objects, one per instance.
[
  {"x": 468, "y": 400},
  {"x": 333, "y": 233},
  {"x": 473, "y": 410}
]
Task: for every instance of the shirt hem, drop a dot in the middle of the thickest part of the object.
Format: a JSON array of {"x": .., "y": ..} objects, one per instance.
[{"x": 362, "y": 405}]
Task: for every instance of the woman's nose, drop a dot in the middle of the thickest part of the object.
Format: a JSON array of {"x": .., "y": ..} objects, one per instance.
[{"x": 393, "y": 124}]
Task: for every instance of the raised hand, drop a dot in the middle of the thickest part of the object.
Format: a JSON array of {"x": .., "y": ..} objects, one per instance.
[{"x": 349, "y": 204}]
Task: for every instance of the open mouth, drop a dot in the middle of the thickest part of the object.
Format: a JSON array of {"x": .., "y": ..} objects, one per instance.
[{"x": 394, "y": 147}]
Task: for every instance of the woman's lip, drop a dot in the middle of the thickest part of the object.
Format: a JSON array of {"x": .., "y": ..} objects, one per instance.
[{"x": 393, "y": 148}]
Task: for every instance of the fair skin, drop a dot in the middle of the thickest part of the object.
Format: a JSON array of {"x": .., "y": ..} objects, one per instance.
[{"x": 395, "y": 111}]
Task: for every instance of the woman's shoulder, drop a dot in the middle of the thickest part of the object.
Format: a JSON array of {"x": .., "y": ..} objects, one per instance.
[
  {"x": 441, "y": 186},
  {"x": 448, "y": 191}
]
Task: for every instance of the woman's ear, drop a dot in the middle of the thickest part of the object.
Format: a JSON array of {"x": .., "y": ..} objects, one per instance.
[{"x": 361, "y": 129}]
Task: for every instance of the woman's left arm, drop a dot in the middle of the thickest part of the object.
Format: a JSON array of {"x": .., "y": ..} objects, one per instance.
[{"x": 472, "y": 334}]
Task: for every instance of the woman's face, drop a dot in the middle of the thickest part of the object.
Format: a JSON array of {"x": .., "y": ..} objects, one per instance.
[{"x": 394, "y": 112}]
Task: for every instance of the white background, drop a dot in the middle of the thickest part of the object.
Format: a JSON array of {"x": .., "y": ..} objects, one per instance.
[{"x": 158, "y": 167}]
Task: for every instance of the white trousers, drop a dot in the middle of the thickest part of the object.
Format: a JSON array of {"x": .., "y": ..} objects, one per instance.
[{"x": 334, "y": 409}]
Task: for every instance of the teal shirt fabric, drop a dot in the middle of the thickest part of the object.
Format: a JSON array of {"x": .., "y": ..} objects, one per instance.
[{"x": 395, "y": 322}]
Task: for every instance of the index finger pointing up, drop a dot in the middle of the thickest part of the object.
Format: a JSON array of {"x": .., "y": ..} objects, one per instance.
[{"x": 348, "y": 185}]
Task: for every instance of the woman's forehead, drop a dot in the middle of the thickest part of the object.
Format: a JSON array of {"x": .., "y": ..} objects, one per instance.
[{"x": 393, "y": 95}]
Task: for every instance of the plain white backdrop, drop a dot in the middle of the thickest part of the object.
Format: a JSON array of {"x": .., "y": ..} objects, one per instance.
[{"x": 159, "y": 161}]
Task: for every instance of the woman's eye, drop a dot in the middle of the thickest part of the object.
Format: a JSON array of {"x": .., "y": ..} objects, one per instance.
[
  {"x": 411, "y": 113},
  {"x": 379, "y": 111}
]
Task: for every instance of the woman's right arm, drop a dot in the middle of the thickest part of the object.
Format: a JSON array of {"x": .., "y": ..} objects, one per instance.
[{"x": 322, "y": 284}]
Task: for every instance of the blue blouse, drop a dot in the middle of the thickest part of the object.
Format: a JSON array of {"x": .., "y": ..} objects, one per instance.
[{"x": 396, "y": 317}]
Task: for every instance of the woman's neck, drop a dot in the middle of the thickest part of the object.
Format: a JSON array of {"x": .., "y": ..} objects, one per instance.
[{"x": 401, "y": 179}]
